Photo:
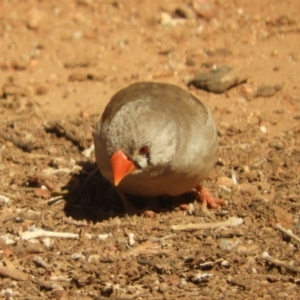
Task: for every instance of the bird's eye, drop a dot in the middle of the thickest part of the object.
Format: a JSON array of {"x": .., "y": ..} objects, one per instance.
[{"x": 144, "y": 150}]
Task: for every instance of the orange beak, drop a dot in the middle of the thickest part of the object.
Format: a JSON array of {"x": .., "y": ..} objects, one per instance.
[{"x": 121, "y": 166}]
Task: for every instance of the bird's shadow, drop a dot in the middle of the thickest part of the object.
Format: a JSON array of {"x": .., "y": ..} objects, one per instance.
[{"x": 91, "y": 197}]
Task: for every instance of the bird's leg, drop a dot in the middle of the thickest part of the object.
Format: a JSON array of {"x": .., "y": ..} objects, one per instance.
[
  {"x": 129, "y": 208},
  {"x": 207, "y": 198}
]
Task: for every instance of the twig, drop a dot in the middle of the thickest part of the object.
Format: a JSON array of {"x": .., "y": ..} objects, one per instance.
[
  {"x": 31, "y": 256},
  {"x": 259, "y": 162},
  {"x": 147, "y": 248},
  {"x": 158, "y": 239},
  {"x": 62, "y": 171},
  {"x": 27, "y": 235},
  {"x": 231, "y": 222},
  {"x": 14, "y": 274},
  {"x": 9, "y": 195},
  {"x": 75, "y": 222},
  {"x": 41, "y": 263},
  {"x": 56, "y": 199},
  {"x": 233, "y": 146},
  {"x": 278, "y": 262},
  {"x": 38, "y": 155},
  {"x": 288, "y": 232}
]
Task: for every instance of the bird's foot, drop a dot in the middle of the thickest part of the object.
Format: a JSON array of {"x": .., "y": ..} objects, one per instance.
[
  {"x": 131, "y": 209},
  {"x": 207, "y": 199}
]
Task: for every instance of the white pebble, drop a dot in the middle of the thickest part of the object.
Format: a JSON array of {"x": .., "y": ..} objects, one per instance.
[
  {"x": 77, "y": 255},
  {"x": 263, "y": 129},
  {"x": 4, "y": 199},
  {"x": 47, "y": 242},
  {"x": 131, "y": 239},
  {"x": 104, "y": 236},
  {"x": 8, "y": 239}
]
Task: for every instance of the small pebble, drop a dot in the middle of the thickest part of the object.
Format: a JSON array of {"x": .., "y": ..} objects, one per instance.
[
  {"x": 85, "y": 115},
  {"x": 4, "y": 200},
  {"x": 131, "y": 239},
  {"x": 225, "y": 181},
  {"x": 104, "y": 236},
  {"x": 204, "y": 9},
  {"x": 35, "y": 17},
  {"x": 185, "y": 11},
  {"x": 225, "y": 263},
  {"x": 263, "y": 129},
  {"x": 48, "y": 242}
]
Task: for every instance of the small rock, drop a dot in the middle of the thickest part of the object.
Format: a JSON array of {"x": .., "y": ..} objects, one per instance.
[
  {"x": 40, "y": 89},
  {"x": 77, "y": 35},
  {"x": 246, "y": 169},
  {"x": 52, "y": 150},
  {"x": 247, "y": 221},
  {"x": 85, "y": 115},
  {"x": 35, "y": 16},
  {"x": 228, "y": 244},
  {"x": 225, "y": 263},
  {"x": 190, "y": 62},
  {"x": 131, "y": 239},
  {"x": 295, "y": 56},
  {"x": 297, "y": 227},
  {"x": 219, "y": 80},
  {"x": 87, "y": 2},
  {"x": 10, "y": 88},
  {"x": 166, "y": 51},
  {"x": 78, "y": 63},
  {"x": 4, "y": 199},
  {"x": 16, "y": 91},
  {"x": 199, "y": 278},
  {"x": 225, "y": 181},
  {"x": 204, "y": 9},
  {"x": 248, "y": 91},
  {"x": 185, "y": 11},
  {"x": 221, "y": 162},
  {"x": 219, "y": 52},
  {"x": 96, "y": 77},
  {"x": 248, "y": 249},
  {"x": 78, "y": 77},
  {"x": 163, "y": 287},
  {"x": 207, "y": 65},
  {"x": 282, "y": 216},
  {"x": 19, "y": 65},
  {"x": 42, "y": 193},
  {"x": 268, "y": 90},
  {"x": 248, "y": 189},
  {"x": 167, "y": 20},
  {"x": 263, "y": 129},
  {"x": 282, "y": 20}
]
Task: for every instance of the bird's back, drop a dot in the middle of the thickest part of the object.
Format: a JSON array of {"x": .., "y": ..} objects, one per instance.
[{"x": 167, "y": 97}]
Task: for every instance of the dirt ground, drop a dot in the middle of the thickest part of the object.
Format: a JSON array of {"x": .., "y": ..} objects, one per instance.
[{"x": 60, "y": 63}]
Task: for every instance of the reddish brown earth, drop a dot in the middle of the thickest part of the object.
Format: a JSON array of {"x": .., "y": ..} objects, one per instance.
[{"x": 60, "y": 63}]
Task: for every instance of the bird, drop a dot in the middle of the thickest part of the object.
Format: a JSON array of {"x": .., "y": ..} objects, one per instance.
[{"x": 156, "y": 139}]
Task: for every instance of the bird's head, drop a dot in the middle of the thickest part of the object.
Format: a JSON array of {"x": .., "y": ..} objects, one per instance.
[{"x": 140, "y": 138}]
